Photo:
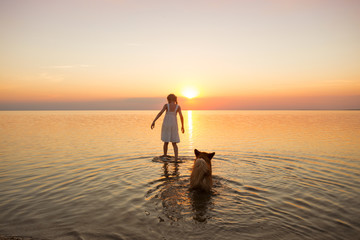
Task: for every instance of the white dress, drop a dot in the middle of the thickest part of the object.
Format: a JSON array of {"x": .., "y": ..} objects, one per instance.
[{"x": 169, "y": 129}]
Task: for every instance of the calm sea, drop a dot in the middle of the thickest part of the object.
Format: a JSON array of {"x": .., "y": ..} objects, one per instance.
[{"x": 91, "y": 175}]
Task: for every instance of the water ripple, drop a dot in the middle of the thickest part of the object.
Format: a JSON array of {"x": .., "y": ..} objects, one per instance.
[{"x": 91, "y": 180}]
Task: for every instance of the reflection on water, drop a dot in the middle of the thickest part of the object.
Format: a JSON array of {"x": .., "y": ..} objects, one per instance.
[
  {"x": 190, "y": 128},
  {"x": 90, "y": 175},
  {"x": 200, "y": 202},
  {"x": 171, "y": 195},
  {"x": 178, "y": 203}
]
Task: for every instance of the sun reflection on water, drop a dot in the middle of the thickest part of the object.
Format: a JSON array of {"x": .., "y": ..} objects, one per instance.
[{"x": 190, "y": 128}]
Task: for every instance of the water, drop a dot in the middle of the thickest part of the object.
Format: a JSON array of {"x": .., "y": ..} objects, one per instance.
[{"x": 90, "y": 175}]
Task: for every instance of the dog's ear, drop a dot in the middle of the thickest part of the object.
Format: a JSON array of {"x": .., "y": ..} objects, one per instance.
[
  {"x": 197, "y": 153},
  {"x": 211, "y": 155}
]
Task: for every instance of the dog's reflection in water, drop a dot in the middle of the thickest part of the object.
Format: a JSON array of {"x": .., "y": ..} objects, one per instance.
[
  {"x": 201, "y": 204},
  {"x": 178, "y": 201}
]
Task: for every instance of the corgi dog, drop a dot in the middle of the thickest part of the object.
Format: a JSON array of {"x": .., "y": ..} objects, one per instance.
[{"x": 201, "y": 178}]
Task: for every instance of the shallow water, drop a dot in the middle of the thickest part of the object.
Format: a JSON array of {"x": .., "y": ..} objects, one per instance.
[{"x": 90, "y": 175}]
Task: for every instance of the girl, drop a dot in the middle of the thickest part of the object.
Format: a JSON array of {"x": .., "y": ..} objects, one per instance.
[{"x": 169, "y": 130}]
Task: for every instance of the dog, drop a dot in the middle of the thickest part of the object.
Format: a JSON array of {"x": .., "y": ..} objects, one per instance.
[{"x": 201, "y": 178}]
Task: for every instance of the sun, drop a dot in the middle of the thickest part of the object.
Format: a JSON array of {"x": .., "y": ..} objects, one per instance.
[{"x": 190, "y": 92}]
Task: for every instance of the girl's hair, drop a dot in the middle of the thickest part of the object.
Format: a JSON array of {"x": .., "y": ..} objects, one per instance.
[{"x": 172, "y": 98}]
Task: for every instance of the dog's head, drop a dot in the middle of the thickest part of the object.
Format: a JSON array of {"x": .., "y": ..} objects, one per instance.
[{"x": 204, "y": 155}]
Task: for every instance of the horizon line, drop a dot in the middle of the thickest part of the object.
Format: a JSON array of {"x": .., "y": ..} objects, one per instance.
[
  {"x": 263, "y": 109},
  {"x": 209, "y": 103}
]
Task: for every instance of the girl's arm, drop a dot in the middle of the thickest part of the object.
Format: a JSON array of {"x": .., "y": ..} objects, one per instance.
[
  {"x": 182, "y": 120},
  {"x": 157, "y": 116}
]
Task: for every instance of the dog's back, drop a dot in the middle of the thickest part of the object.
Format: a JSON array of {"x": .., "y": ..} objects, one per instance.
[{"x": 201, "y": 174}]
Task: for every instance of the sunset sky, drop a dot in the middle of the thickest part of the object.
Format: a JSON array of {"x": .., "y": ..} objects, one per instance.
[{"x": 130, "y": 54}]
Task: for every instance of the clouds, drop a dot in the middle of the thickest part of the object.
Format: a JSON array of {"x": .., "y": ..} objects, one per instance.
[
  {"x": 128, "y": 49},
  {"x": 67, "y": 66},
  {"x": 51, "y": 77},
  {"x": 55, "y": 73}
]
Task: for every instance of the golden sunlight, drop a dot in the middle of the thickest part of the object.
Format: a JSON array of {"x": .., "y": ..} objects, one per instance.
[{"x": 190, "y": 92}]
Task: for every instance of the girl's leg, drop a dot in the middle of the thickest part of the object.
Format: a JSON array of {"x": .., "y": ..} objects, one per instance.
[
  {"x": 165, "y": 148},
  {"x": 175, "y": 150}
]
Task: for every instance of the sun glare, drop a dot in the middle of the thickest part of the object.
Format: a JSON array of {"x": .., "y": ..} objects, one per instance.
[{"x": 190, "y": 92}]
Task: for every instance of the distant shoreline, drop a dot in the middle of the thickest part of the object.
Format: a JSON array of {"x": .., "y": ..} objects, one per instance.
[
  {"x": 17, "y": 238},
  {"x": 44, "y": 110}
]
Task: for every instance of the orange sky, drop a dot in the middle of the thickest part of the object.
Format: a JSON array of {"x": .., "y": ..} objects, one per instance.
[{"x": 237, "y": 54}]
